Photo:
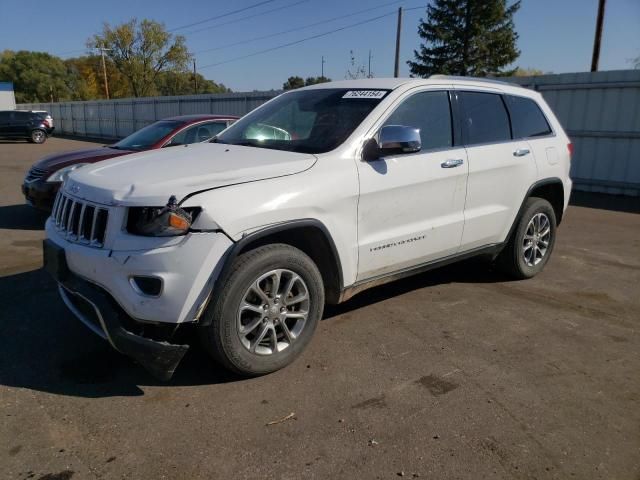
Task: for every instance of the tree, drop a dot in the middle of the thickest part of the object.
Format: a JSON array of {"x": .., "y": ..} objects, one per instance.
[
  {"x": 181, "y": 83},
  {"x": 141, "y": 51},
  {"x": 292, "y": 83},
  {"x": 316, "y": 80},
  {"x": 90, "y": 84},
  {"x": 467, "y": 37},
  {"x": 37, "y": 76},
  {"x": 527, "y": 72},
  {"x": 355, "y": 71}
]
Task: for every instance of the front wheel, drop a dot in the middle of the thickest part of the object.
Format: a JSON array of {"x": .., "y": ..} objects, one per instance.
[
  {"x": 266, "y": 312},
  {"x": 531, "y": 244}
]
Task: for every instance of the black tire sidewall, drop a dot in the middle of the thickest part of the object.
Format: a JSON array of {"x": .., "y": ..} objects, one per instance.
[
  {"x": 533, "y": 207},
  {"x": 223, "y": 330}
]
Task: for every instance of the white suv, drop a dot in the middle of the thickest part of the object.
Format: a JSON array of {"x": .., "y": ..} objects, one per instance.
[{"x": 318, "y": 194}]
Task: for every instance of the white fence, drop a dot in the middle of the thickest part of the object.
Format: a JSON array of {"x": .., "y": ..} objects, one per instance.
[
  {"x": 119, "y": 118},
  {"x": 600, "y": 111}
]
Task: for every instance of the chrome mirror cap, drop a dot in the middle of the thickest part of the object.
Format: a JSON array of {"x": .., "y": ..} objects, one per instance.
[{"x": 397, "y": 139}]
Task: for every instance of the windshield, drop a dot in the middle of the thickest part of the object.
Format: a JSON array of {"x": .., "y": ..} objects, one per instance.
[
  {"x": 148, "y": 136},
  {"x": 308, "y": 121}
]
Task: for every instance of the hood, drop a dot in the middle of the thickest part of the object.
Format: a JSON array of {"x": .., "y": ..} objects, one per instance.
[
  {"x": 54, "y": 162},
  {"x": 150, "y": 178}
]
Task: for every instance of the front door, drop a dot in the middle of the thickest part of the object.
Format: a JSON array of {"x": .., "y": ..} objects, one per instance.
[{"x": 411, "y": 206}]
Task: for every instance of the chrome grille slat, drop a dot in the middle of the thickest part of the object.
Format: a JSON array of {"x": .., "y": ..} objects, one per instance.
[{"x": 80, "y": 221}]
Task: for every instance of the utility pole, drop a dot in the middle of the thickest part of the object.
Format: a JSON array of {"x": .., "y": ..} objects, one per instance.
[
  {"x": 369, "y": 74},
  {"x": 396, "y": 68},
  {"x": 104, "y": 71},
  {"x": 195, "y": 79},
  {"x": 596, "y": 41},
  {"x": 322, "y": 68}
]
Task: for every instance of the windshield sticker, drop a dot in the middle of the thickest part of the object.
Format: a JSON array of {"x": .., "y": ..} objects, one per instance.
[{"x": 375, "y": 94}]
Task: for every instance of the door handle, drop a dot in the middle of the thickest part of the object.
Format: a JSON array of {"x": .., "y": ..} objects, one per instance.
[
  {"x": 521, "y": 152},
  {"x": 452, "y": 163}
]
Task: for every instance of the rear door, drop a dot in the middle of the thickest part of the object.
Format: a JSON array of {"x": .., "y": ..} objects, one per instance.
[
  {"x": 530, "y": 124},
  {"x": 410, "y": 209},
  {"x": 501, "y": 169},
  {"x": 4, "y": 123},
  {"x": 19, "y": 124}
]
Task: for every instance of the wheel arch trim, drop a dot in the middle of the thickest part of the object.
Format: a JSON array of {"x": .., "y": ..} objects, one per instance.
[{"x": 278, "y": 228}]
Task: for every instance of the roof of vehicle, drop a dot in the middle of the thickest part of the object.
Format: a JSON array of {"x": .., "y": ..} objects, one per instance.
[
  {"x": 199, "y": 117},
  {"x": 393, "y": 83}
]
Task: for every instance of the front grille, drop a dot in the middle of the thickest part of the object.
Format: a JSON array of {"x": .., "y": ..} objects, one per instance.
[
  {"x": 35, "y": 174},
  {"x": 79, "y": 221}
]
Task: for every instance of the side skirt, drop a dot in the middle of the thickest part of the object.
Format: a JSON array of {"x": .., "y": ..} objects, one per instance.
[{"x": 351, "y": 290}]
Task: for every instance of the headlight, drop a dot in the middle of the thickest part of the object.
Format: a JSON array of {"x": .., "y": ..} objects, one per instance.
[
  {"x": 167, "y": 221},
  {"x": 62, "y": 174}
]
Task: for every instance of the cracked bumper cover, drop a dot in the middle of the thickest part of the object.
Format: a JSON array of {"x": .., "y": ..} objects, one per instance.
[{"x": 98, "y": 311}]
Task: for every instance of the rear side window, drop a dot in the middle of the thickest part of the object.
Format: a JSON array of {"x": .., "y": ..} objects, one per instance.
[
  {"x": 485, "y": 118},
  {"x": 527, "y": 119},
  {"x": 431, "y": 113}
]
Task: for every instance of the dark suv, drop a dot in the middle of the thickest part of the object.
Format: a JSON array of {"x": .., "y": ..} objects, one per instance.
[{"x": 34, "y": 126}]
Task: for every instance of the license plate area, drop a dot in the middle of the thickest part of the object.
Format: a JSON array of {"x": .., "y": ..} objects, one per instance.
[{"x": 55, "y": 260}]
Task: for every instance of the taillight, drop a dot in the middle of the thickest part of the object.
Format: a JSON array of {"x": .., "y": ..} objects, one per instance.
[
  {"x": 570, "y": 148},
  {"x": 46, "y": 123}
]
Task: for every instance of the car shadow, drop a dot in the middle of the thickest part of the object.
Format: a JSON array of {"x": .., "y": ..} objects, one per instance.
[
  {"x": 44, "y": 348},
  {"x": 22, "y": 217},
  {"x": 473, "y": 270},
  {"x": 604, "y": 201}
]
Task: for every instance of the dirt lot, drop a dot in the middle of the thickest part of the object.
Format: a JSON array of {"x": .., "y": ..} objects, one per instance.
[{"x": 458, "y": 373}]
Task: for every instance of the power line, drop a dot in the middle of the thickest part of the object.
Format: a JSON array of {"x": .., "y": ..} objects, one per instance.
[
  {"x": 303, "y": 27},
  {"x": 233, "y": 12},
  {"x": 259, "y": 14},
  {"x": 296, "y": 42}
]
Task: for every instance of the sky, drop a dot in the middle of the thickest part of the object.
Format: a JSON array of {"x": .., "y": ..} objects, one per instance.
[{"x": 555, "y": 35}]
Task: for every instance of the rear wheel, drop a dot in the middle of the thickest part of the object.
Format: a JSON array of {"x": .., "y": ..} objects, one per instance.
[
  {"x": 38, "y": 136},
  {"x": 267, "y": 311},
  {"x": 532, "y": 242}
]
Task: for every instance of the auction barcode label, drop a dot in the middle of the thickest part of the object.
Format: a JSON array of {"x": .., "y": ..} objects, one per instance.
[{"x": 376, "y": 94}]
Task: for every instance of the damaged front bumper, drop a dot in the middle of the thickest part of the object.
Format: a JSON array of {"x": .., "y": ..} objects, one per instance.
[{"x": 98, "y": 311}]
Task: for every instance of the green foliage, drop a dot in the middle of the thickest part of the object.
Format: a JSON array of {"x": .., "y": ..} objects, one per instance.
[
  {"x": 297, "y": 82},
  {"x": 38, "y": 76},
  {"x": 528, "y": 72},
  {"x": 467, "y": 37},
  {"x": 292, "y": 83},
  {"x": 182, "y": 83},
  {"x": 141, "y": 51},
  {"x": 316, "y": 80}
]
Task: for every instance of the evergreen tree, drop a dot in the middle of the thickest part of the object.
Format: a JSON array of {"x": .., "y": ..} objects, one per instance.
[{"x": 467, "y": 37}]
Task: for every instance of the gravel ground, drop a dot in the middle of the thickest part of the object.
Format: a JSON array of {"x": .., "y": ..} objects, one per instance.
[{"x": 457, "y": 373}]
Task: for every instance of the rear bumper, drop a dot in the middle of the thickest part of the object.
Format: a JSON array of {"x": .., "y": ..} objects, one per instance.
[{"x": 100, "y": 313}]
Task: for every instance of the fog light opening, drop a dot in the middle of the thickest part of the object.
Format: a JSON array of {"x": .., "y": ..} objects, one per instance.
[{"x": 147, "y": 286}]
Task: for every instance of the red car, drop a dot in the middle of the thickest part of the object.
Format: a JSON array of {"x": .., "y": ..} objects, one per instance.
[{"x": 45, "y": 177}]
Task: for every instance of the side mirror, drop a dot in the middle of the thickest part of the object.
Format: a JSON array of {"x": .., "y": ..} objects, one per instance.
[{"x": 394, "y": 140}]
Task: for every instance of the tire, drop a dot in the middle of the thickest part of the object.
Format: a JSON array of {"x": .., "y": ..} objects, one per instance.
[
  {"x": 531, "y": 244},
  {"x": 38, "y": 136},
  {"x": 233, "y": 334}
]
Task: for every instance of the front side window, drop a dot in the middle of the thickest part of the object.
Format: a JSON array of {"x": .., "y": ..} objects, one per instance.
[
  {"x": 485, "y": 118},
  {"x": 431, "y": 113},
  {"x": 148, "y": 136},
  {"x": 526, "y": 118},
  {"x": 197, "y": 133},
  {"x": 308, "y": 121}
]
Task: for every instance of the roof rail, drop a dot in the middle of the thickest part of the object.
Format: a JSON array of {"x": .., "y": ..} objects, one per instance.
[{"x": 473, "y": 79}]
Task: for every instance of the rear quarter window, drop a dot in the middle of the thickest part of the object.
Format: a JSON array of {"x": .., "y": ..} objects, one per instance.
[
  {"x": 526, "y": 118},
  {"x": 485, "y": 118}
]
